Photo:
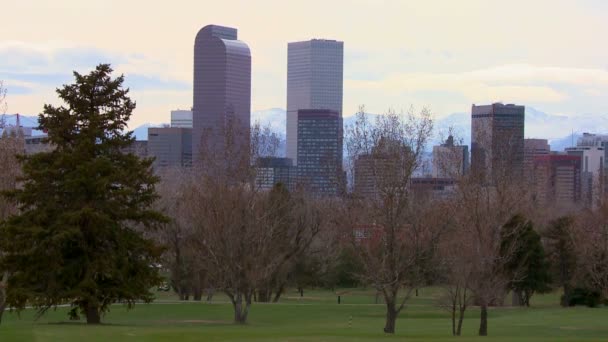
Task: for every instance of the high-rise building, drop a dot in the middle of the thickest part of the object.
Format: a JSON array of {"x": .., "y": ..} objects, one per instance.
[
  {"x": 181, "y": 118},
  {"x": 532, "y": 149},
  {"x": 383, "y": 168},
  {"x": 271, "y": 170},
  {"x": 557, "y": 179},
  {"x": 320, "y": 151},
  {"x": 170, "y": 146},
  {"x": 450, "y": 160},
  {"x": 592, "y": 172},
  {"x": 222, "y": 87},
  {"x": 314, "y": 81},
  {"x": 497, "y": 140}
]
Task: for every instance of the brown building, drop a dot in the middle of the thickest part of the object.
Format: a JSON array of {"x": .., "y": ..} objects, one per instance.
[
  {"x": 558, "y": 179},
  {"x": 532, "y": 149}
]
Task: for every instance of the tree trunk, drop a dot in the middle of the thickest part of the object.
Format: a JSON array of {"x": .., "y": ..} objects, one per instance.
[
  {"x": 391, "y": 318},
  {"x": 454, "y": 320},
  {"x": 483, "y": 323},
  {"x": 460, "y": 320},
  {"x": 241, "y": 304},
  {"x": 264, "y": 295},
  {"x": 92, "y": 313},
  {"x": 2, "y": 308},
  {"x": 517, "y": 298},
  {"x": 566, "y": 299},
  {"x": 197, "y": 294},
  {"x": 277, "y": 296}
]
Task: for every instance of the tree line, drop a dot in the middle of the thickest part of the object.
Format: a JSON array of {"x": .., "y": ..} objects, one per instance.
[{"x": 87, "y": 225}]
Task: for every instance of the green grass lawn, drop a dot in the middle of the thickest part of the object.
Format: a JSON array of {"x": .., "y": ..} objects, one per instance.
[{"x": 316, "y": 317}]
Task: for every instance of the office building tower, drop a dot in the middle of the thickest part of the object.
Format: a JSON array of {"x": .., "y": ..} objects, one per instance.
[
  {"x": 314, "y": 81},
  {"x": 222, "y": 88},
  {"x": 271, "y": 170},
  {"x": 181, "y": 118},
  {"x": 380, "y": 169},
  {"x": 170, "y": 146},
  {"x": 450, "y": 160},
  {"x": 592, "y": 172},
  {"x": 532, "y": 149},
  {"x": 557, "y": 180},
  {"x": 320, "y": 151},
  {"x": 497, "y": 141}
]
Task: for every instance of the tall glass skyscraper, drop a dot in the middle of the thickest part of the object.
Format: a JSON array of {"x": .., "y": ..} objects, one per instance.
[
  {"x": 314, "y": 81},
  {"x": 320, "y": 142},
  {"x": 497, "y": 140},
  {"x": 222, "y": 86}
]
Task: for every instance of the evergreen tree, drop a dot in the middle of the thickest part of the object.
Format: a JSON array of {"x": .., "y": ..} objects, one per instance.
[
  {"x": 84, "y": 207},
  {"x": 562, "y": 253},
  {"x": 528, "y": 266}
]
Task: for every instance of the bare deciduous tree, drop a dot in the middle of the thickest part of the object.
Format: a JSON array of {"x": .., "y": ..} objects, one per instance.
[
  {"x": 385, "y": 225},
  {"x": 483, "y": 201},
  {"x": 244, "y": 236}
]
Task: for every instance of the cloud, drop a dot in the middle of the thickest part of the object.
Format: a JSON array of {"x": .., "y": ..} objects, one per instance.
[
  {"x": 519, "y": 83},
  {"x": 40, "y": 65}
]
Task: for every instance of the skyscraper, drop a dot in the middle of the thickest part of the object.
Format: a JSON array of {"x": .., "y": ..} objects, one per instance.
[
  {"x": 222, "y": 86},
  {"x": 497, "y": 140},
  {"x": 314, "y": 81},
  {"x": 320, "y": 151}
]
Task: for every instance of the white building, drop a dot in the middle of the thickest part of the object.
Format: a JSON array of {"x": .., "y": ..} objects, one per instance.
[{"x": 181, "y": 118}]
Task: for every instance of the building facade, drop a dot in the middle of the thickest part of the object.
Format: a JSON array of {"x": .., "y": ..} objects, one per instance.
[
  {"x": 181, "y": 118},
  {"x": 497, "y": 140},
  {"x": 320, "y": 142},
  {"x": 592, "y": 172},
  {"x": 314, "y": 81},
  {"x": 271, "y": 170},
  {"x": 557, "y": 180},
  {"x": 170, "y": 146},
  {"x": 222, "y": 88},
  {"x": 532, "y": 149},
  {"x": 450, "y": 160}
]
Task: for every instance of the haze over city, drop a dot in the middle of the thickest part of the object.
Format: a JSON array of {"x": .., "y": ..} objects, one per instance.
[{"x": 443, "y": 54}]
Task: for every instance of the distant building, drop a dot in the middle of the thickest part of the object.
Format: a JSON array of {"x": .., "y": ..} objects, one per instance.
[
  {"x": 171, "y": 147},
  {"x": 320, "y": 141},
  {"x": 314, "y": 81},
  {"x": 270, "y": 171},
  {"x": 382, "y": 168},
  {"x": 557, "y": 179},
  {"x": 222, "y": 87},
  {"x": 497, "y": 140},
  {"x": 532, "y": 149},
  {"x": 450, "y": 160},
  {"x": 36, "y": 144},
  {"x": 138, "y": 148},
  {"x": 592, "y": 172},
  {"x": 181, "y": 118},
  {"x": 434, "y": 188}
]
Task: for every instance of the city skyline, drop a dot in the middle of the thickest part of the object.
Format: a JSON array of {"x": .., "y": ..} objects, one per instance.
[{"x": 411, "y": 53}]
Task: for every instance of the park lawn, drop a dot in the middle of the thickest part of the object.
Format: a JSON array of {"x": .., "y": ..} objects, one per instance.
[{"x": 315, "y": 317}]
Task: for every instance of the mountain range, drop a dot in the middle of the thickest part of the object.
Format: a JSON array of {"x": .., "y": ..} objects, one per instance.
[{"x": 561, "y": 131}]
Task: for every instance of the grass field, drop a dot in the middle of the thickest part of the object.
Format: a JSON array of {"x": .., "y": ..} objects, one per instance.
[{"x": 316, "y": 317}]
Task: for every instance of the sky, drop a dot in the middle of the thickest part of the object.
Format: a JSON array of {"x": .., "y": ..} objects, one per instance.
[{"x": 446, "y": 55}]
